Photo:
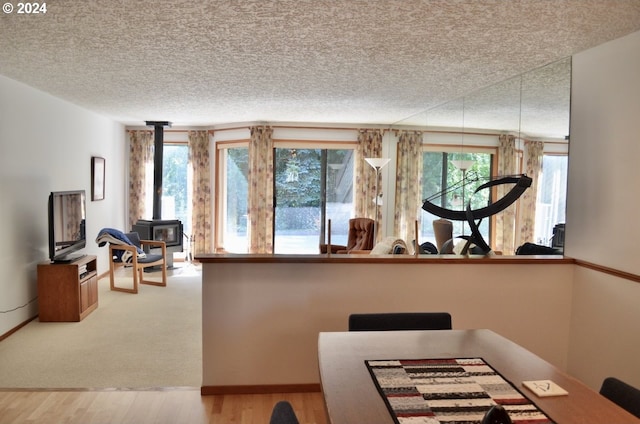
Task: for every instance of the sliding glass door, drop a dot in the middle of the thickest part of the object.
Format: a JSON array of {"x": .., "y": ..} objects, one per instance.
[{"x": 312, "y": 186}]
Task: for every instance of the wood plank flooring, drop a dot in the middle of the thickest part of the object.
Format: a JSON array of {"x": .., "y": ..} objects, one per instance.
[{"x": 171, "y": 405}]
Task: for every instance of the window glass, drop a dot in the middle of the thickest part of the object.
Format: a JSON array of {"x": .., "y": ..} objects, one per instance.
[
  {"x": 449, "y": 180},
  {"x": 235, "y": 194},
  {"x": 176, "y": 203},
  {"x": 311, "y": 187},
  {"x": 551, "y": 199}
]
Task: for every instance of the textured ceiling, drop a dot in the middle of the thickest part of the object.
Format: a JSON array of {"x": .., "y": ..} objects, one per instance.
[{"x": 351, "y": 61}]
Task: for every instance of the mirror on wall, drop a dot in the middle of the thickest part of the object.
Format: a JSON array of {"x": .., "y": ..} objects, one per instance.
[
  {"x": 534, "y": 106},
  {"x": 546, "y": 101}
]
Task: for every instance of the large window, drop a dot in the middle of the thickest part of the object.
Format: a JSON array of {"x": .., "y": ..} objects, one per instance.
[
  {"x": 551, "y": 199},
  {"x": 311, "y": 187},
  {"x": 176, "y": 186},
  {"x": 449, "y": 180},
  {"x": 176, "y": 198},
  {"x": 233, "y": 163}
]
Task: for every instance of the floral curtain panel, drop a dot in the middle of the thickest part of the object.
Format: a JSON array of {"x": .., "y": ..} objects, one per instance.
[
  {"x": 408, "y": 189},
  {"x": 261, "y": 190},
  {"x": 533, "y": 151},
  {"x": 506, "y": 220},
  {"x": 369, "y": 146},
  {"x": 140, "y": 157},
  {"x": 199, "y": 158}
]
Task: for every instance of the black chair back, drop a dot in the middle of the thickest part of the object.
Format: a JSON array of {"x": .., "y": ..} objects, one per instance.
[
  {"x": 400, "y": 321},
  {"x": 134, "y": 238},
  {"x": 621, "y": 393},
  {"x": 283, "y": 413}
]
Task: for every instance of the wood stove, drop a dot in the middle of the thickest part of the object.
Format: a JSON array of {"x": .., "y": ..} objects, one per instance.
[{"x": 168, "y": 231}]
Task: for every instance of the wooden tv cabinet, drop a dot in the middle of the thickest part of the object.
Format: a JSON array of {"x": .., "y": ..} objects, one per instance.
[{"x": 63, "y": 293}]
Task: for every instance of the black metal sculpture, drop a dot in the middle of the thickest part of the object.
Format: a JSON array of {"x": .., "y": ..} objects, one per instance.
[{"x": 521, "y": 183}]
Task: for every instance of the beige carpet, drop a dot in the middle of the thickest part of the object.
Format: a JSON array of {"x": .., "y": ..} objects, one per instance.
[{"x": 146, "y": 340}]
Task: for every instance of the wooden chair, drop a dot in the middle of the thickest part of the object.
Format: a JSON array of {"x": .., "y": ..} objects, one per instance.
[
  {"x": 283, "y": 413},
  {"x": 622, "y": 394},
  {"x": 400, "y": 321},
  {"x": 138, "y": 264}
]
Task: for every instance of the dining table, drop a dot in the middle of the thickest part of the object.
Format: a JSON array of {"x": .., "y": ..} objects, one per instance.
[{"x": 353, "y": 394}]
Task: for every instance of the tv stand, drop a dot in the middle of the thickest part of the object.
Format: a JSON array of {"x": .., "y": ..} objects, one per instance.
[
  {"x": 69, "y": 259},
  {"x": 67, "y": 291}
]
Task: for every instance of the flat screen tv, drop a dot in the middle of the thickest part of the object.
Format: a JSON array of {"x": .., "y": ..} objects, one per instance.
[{"x": 67, "y": 227}]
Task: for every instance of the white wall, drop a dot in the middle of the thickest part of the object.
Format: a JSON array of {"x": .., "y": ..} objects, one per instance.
[
  {"x": 46, "y": 145},
  {"x": 602, "y": 210},
  {"x": 261, "y": 320},
  {"x": 603, "y": 201},
  {"x": 605, "y": 328}
]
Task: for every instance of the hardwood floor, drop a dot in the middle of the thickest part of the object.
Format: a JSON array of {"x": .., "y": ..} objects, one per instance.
[{"x": 171, "y": 405}]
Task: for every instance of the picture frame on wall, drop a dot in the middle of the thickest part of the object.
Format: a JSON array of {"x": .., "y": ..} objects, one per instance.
[{"x": 97, "y": 178}]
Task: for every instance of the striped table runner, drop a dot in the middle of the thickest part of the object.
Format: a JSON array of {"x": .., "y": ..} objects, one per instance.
[{"x": 448, "y": 391}]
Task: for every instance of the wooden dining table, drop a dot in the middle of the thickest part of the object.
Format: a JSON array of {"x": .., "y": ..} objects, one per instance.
[{"x": 351, "y": 395}]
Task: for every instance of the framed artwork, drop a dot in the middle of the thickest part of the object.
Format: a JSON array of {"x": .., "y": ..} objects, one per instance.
[{"x": 97, "y": 178}]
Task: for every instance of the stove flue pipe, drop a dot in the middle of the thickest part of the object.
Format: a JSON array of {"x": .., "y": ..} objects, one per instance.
[{"x": 158, "y": 141}]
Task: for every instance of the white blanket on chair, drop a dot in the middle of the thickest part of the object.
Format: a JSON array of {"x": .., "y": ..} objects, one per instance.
[{"x": 388, "y": 244}]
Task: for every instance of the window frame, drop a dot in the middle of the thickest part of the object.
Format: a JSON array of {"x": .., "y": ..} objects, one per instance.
[
  {"x": 221, "y": 189},
  {"x": 316, "y": 145}
]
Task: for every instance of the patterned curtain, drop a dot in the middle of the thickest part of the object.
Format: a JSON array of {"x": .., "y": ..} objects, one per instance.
[
  {"x": 199, "y": 158},
  {"x": 261, "y": 190},
  {"x": 408, "y": 189},
  {"x": 140, "y": 157},
  {"x": 532, "y": 167},
  {"x": 506, "y": 220},
  {"x": 369, "y": 146}
]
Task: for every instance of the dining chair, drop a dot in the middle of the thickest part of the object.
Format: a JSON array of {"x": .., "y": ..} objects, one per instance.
[
  {"x": 622, "y": 394},
  {"x": 390, "y": 321},
  {"x": 283, "y": 413}
]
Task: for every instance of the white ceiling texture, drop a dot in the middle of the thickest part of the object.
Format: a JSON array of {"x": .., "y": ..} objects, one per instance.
[{"x": 204, "y": 63}]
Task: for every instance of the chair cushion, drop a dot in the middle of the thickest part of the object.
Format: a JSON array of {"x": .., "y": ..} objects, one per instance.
[{"x": 149, "y": 259}]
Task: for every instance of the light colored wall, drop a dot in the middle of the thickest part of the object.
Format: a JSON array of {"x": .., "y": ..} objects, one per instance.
[
  {"x": 46, "y": 145},
  {"x": 602, "y": 210},
  {"x": 261, "y": 321},
  {"x": 603, "y": 201},
  {"x": 605, "y": 328}
]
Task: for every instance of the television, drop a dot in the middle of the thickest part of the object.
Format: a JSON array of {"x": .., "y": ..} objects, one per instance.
[{"x": 67, "y": 226}]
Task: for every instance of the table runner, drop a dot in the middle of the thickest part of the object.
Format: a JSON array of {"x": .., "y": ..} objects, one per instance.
[{"x": 448, "y": 391}]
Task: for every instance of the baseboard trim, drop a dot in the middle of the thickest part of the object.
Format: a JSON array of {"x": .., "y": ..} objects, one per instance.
[
  {"x": 259, "y": 389},
  {"x": 14, "y": 329}
]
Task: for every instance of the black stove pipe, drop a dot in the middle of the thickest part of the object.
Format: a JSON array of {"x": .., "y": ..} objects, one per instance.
[{"x": 158, "y": 141}]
